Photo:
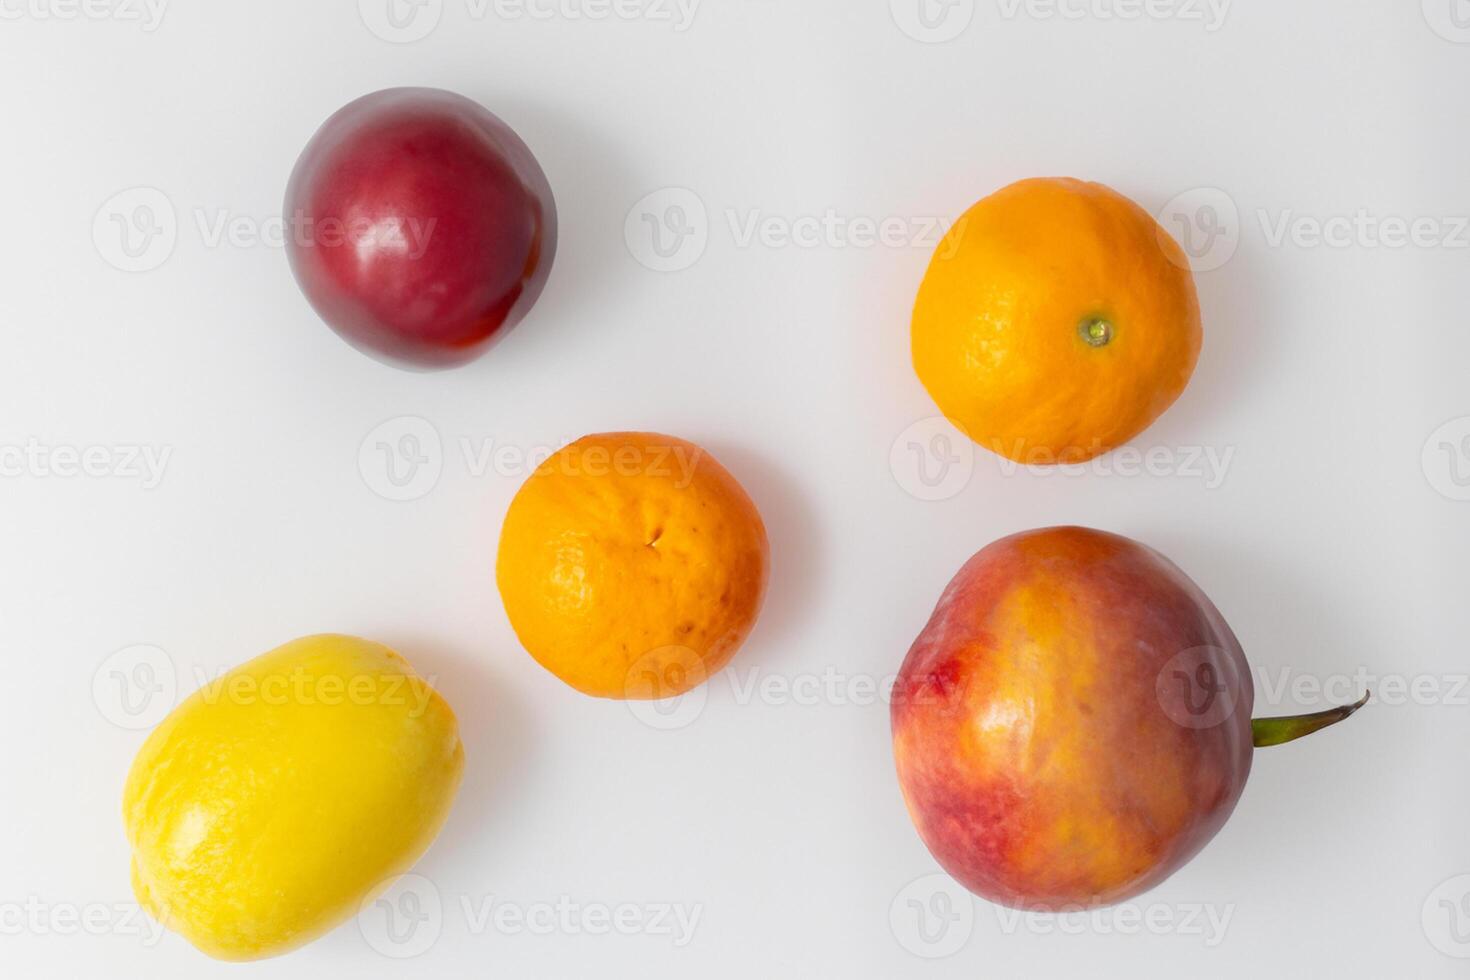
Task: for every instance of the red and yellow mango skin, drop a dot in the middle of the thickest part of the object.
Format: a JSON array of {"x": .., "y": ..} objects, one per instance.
[{"x": 1043, "y": 761}]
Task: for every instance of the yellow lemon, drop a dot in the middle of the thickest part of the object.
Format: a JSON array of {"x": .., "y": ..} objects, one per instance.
[{"x": 272, "y": 802}]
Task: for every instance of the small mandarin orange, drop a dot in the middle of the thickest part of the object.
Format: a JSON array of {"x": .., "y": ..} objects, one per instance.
[
  {"x": 632, "y": 565},
  {"x": 1057, "y": 320}
]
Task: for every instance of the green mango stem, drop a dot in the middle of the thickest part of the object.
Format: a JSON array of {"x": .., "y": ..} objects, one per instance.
[{"x": 1279, "y": 731}]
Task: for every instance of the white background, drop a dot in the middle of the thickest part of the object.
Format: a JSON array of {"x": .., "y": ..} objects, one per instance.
[{"x": 1332, "y": 541}]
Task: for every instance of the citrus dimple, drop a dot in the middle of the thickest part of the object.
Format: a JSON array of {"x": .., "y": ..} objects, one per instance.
[
  {"x": 632, "y": 565},
  {"x": 1057, "y": 320}
]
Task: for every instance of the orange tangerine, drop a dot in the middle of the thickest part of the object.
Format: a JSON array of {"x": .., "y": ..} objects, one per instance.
[
  {"x": 1057, "y": 320},
  {"x": 632, "y": 565}
]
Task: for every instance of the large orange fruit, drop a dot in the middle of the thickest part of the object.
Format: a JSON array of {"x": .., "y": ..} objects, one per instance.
[
  {"x": 632, "y": 565},
  {"x": 1057, "y": 321}
]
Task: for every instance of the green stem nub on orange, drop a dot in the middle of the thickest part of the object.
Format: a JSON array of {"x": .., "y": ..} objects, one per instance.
[
  {"x": 1095, "y": 331},
  {"x": 1278, "y": 731}
]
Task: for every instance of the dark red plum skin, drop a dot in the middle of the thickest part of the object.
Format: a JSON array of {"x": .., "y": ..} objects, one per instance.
[{"x": 419, "y": 226}]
